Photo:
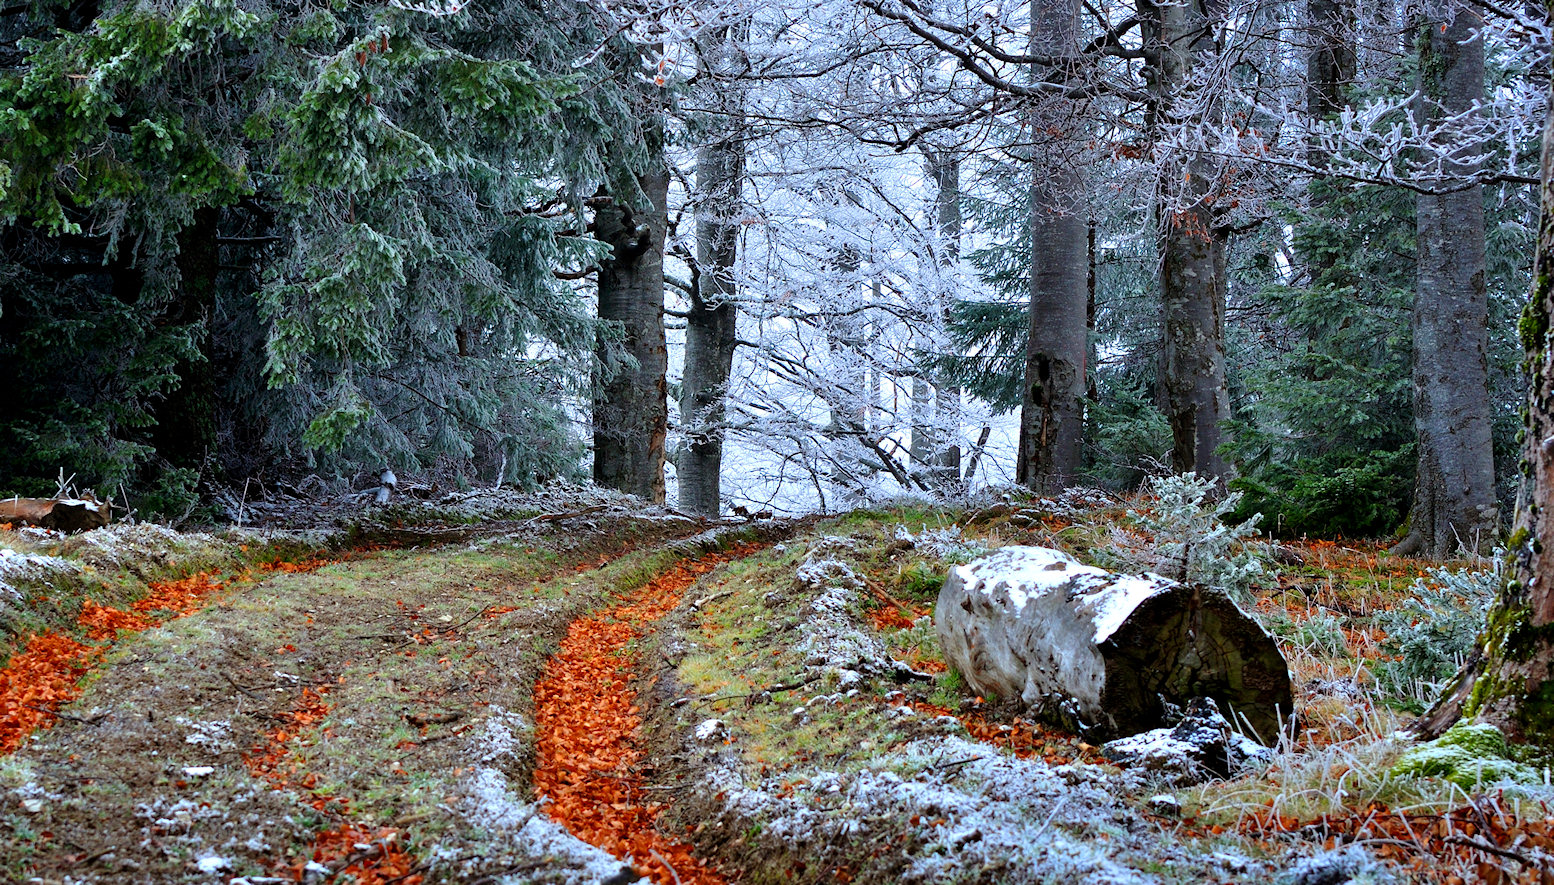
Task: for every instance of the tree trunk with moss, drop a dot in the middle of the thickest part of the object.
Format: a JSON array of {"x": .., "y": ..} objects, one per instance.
[{"x": 1509, "y": 679}]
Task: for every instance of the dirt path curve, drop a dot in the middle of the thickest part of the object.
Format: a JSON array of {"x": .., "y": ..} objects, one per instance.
[
  {"x": 590, "y": 766},
  {"x": 321, "y": 725}
]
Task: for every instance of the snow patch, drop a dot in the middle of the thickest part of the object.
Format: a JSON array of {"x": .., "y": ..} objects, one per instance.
[
  {"x": 830, "y": 638},
  {"x": 502, "y": 735},
  {"x": 942, "y": 543},
  {"x": 1016, "y": 821},
  {"x": 213, "y": 735},
  {"x": 17, "y": 566},
  {"x": 1020, "y": 574},
  {"x": 1350, "y": 864},
  {"x": 1201, "y": 746},
  {"x": 490, "y": 805}
]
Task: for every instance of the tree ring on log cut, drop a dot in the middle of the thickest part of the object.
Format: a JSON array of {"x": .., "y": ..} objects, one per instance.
[{"x": 1192, "y": 642}]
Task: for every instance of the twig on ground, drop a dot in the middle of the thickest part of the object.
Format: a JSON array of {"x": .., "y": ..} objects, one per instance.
[
  {"x": 789, "y": 686},
  {"x": 557, "y": 517},
  {"x": 707, "y": 600},
  {"x": 878, "y": 591},
  {"x": 772, "y": 689},
  {"x": 84, "y": 720},
  {"x": 240, "y": 688},
  {"x": 414, "y": 871},
  {"x": 667, "y": 865},
  {"x": 466, "y": 621},
  {"x": 423, "y": 720},
  {"x": 494, "y": 878},
  {"x": 1506, "y": 853}
]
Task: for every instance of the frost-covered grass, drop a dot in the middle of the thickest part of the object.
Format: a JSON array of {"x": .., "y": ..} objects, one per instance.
[
  {"x": 800, "y": 766},
  {"x": 46, "y": 576},
  {"x": 811, "y": 757}
]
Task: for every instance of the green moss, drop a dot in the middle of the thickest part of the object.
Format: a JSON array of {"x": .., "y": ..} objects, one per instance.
[
  {"x": 920, "y": 582},
  {"x": 1518, "y": 538},
  {"x": 1523, "y": 639},
  {"x": 1510, "y": 640},
  {"x": 1468, "y": 755},
  {"x": 1535, "y": 716},
  {"x": 1533, "y": 324}
]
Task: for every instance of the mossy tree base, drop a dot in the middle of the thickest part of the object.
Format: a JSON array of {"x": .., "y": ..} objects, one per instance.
[{"x": 1509, "y": 680}]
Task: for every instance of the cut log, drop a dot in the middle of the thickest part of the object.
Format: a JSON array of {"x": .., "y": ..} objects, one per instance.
[
  {"x": 62, "y": 514},
  {"x": 1106, "y": 654}
]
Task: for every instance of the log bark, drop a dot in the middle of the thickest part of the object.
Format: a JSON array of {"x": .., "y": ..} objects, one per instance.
[
  {"x": 1105, "y": 653},
  {"x": 631, "y": 407},
  {"x": 61, "y": 514}
]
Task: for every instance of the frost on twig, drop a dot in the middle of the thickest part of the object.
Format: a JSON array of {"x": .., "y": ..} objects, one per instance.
[{"x": 439, "y": 10}]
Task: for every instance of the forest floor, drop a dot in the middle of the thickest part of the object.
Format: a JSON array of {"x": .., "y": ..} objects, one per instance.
[{"x": 574, "y": 688}]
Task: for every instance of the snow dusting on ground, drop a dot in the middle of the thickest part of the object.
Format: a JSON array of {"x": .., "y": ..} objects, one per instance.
[
  {"x": 830, "y": 638},
  {"x": 981, "y": 815},
  {"x": 491, "y": 804},
  {"x": 24, "y": 567}
]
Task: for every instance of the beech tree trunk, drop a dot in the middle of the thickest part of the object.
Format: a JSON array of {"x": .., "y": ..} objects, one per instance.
[
  {"x": 851, "y": 454},
  {"x": 631, "y": 406},
  {"x": 1192, "y": 247},
  {"x": 924, "y": 441},
  {"x": 712, "y": 323},
  {"x": 944, "y": 168},
  {"x": 1052, "y": 405},
  {"x": 1509, "y": 678},
  {"x": 1192, "y": 289},
  {"x": 1454, "y": 496}
]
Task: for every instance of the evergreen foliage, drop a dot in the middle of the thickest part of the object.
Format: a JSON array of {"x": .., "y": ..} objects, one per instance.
[
  {"x": 388, "y": 191},
  {"x": 1194, "y": 542},
  {"x": 1432, "y": 632}
]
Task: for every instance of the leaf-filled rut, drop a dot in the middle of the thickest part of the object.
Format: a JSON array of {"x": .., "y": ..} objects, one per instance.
[{"x": 589, "y": 766}]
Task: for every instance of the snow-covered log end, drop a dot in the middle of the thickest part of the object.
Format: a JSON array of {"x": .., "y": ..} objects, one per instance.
[{"x": 1104, "y": 653}]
